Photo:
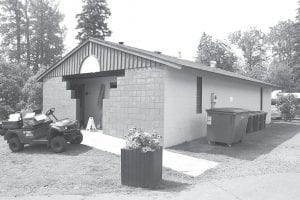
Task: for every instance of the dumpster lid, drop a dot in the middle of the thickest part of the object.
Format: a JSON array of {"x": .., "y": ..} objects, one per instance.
[
  {"x": 257, "y": 112},
  {"x": 228, "y": 110}
]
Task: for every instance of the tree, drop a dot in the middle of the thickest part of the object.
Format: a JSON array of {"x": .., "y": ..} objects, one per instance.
[
  {"x": 252, "y": 43},
  {"x": 282, "y": 42},
  {"x": 296, "y": 37},
  {"x": 288, "y": 106},
  {"x": 282, "y": 68},
  {"x": 215, "y": 50},
  {"x": 296, "y": 48},
  {"x": 282, "y": 75},
  {"x": 92, "y": 20},
  {"x": 11, "y": 18},
  {"x": 32, "y": 38},
  {"x": 28, "y": 32},
  {"x": 298, "y": 12},
  {"x": 12, "y": 80},
  {"x": 31, "y": 32},
  {"x": 47, "y": 39},
  {"x": 32, "y": 91}
]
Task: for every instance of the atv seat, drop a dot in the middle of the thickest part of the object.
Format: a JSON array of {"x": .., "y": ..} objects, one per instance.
[{"x": 31, "y": 120}]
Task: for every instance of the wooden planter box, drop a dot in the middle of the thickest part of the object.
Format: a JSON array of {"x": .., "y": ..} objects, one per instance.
[{"x": 141, "y": 169}]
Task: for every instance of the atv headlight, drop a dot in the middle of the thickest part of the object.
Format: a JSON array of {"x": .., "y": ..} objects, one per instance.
[{"x": 66, "y": 128}]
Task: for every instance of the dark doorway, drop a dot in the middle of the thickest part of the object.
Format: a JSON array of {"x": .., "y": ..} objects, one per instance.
[{"x": 81, "y": 95}]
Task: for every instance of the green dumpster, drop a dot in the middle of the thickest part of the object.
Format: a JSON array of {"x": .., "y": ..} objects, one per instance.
[
  {"x": 228, "y": 125},
  {"x": 250, "y": 122},
  {"x": 262, "y": 120},
  {"x": 256, "y": 121}
]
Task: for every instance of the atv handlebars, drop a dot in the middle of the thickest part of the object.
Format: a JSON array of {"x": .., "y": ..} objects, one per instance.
[{"x": 50, "y": 112}]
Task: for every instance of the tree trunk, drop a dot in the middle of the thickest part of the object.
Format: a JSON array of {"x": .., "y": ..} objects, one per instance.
[
  {"x": 27, "y": 35},
  {"x": 18, "y": 30},
  {"x": 41, "y": 37}
]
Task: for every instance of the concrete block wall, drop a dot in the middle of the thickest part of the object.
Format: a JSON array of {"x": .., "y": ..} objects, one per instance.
[
  {"x": 55, "y": 95},
  {"x": 182, "y": 123},
  {"x": 137, "y": 101}
]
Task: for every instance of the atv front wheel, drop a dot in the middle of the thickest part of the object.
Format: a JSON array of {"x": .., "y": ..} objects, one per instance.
[
  {"x": 58, "y": 144},
  {"x": 78, "y": 139},
  {"x": 15, "y": 145}
]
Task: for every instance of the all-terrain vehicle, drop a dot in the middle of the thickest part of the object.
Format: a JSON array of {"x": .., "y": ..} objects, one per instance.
[{"x": 31, "y": 128}]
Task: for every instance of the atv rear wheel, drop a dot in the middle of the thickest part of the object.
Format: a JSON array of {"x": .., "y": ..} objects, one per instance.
[
  {"x": 58, "y": 144},
  {"x": 78, "y": 139},
  {"x": 15, "y": 145}
]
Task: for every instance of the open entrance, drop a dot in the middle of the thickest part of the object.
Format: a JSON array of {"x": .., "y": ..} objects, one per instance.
[{"x": 90, "y": 89}]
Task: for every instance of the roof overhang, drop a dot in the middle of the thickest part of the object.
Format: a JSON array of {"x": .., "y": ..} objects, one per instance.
[
  {"x": 236, "y": 76},
  {"x": 94, "y": 75}
]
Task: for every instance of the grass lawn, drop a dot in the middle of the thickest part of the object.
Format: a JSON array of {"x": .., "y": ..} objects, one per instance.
[
  {"x": 80, "y": 170},
  {"x": 271, "y": 150},
  {"x": 84, "y": 170}
]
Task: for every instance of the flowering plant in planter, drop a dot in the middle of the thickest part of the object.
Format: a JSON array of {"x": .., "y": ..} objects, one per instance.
[
  {"x": 141, "y": 160},
  {"x": 137, "y": 139}
]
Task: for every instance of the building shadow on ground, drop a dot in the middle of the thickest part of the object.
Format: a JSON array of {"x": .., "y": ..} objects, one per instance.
[
  {"x": 71, "y": 150},
  {"x": 252, "y": 146}
]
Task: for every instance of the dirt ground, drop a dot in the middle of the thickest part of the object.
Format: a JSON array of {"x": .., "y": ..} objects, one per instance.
[{"x": 84, "y": 171}]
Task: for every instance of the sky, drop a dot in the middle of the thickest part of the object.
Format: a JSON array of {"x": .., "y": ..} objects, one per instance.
[{"x": 173, "y": 26}]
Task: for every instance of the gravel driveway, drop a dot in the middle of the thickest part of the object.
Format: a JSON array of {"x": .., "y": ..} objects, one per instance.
[{"x": 84, "y": 171}]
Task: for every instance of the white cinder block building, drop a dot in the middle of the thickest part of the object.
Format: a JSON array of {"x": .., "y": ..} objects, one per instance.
[{"x": 121, "y": 86}]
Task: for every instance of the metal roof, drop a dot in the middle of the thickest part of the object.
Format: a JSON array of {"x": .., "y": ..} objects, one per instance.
[{"x": 157, "y": 57}]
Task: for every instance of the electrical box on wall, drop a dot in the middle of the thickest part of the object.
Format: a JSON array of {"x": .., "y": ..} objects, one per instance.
[{"x": 213, "y": 98}]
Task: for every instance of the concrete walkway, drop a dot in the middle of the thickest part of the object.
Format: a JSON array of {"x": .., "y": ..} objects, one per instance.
[{"x": 178, "y": 162}]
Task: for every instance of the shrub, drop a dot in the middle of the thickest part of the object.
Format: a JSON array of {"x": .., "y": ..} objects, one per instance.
[
  {"x": 5, "y": 110},
  {"x": 287, "y": 105},
  {"x": 142, "y": 141}
]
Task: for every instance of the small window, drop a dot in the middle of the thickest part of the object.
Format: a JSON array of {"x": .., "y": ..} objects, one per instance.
[
  {"x": 199, "y": 95},
  {"x": 113, "y": 85}
]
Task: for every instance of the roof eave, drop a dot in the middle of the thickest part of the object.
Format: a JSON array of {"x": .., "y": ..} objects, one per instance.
[
  {"x": 241, "y": 78},
  {"x": 40, "y": 77}
]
